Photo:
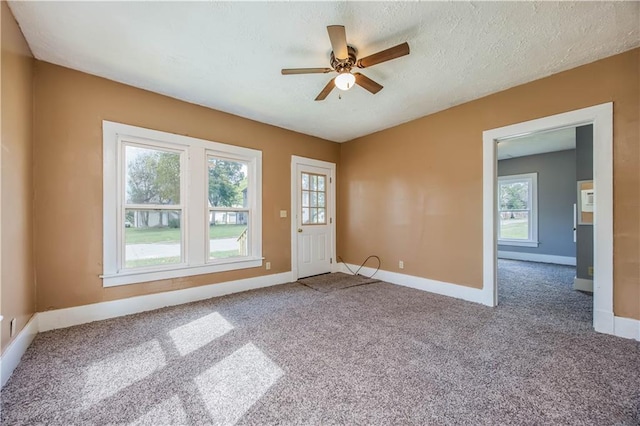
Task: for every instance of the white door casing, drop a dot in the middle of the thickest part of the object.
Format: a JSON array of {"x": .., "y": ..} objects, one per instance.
[
  {"x": 312, "y": 217},
  {"x": 601, "y": 116}
]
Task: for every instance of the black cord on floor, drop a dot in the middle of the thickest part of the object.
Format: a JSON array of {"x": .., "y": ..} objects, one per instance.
[{"x": 361, "y": 266}]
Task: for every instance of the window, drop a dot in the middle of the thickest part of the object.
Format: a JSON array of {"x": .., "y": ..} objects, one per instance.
[
  {"x": 314, "y": 194},
  {"x": 229, "y": 212},
  {"x": 518, "y": 210},
  {"x": 177, "y": 206}
]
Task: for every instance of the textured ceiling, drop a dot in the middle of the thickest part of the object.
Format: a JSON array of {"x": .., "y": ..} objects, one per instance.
[
  {"x": 228, "y": 56},
  {"x": 537, "y": 143}
]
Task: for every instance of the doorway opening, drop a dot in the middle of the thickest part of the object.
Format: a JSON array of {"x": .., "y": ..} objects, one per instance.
[
  {"x": 544, "y": 230},
  {"x": 600, "y": 117}
]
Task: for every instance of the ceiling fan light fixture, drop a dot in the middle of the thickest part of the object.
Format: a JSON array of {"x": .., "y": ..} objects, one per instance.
[{"x": 345, "y": 80}]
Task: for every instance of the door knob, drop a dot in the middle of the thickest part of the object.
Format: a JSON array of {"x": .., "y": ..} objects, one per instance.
[{"x": 299, "y": 229}]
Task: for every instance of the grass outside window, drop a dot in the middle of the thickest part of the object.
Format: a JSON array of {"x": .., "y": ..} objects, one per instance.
[{"x": 169, "y": 235}]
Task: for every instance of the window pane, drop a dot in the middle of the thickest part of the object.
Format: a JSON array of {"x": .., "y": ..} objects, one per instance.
[
  {"x": 305, "y": 181},
  {"x": 152, "y": 238},
  {"x": 514, "y": 225},
  {"x": 228, "y": 182},
  {"x": 321, "y": 199},
  {"x": 314, "y": 199},
  {"x": 152, "y": 176},
  {"x": 514, "y": 195},
  {"x": 228, "y": 234}
]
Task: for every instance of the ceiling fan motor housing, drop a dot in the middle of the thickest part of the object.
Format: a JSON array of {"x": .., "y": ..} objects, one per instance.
[{"x": 344, "y": 65}]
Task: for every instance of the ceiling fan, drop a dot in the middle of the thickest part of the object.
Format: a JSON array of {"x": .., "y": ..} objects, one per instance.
[{"x": 343, "y": 59}]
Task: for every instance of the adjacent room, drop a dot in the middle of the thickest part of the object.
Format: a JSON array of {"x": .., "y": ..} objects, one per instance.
[
  {"x": 545, "y": 232},
  {"x": 320, "y": 213}
]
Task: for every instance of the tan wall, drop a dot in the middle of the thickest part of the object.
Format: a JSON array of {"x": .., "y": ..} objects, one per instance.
[
  {"x": 419, "y": 185},
  {"x": 70, "y": 107},
  {"x": 17, "y": 277}
]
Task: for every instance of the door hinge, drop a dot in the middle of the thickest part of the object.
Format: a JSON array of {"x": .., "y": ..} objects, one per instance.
[
  {"x": 330, "y": 220},
  {"x": 331, "y": 260},
  {"x": 330, "y": 180}
]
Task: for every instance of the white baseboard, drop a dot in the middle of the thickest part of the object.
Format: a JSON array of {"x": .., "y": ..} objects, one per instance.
[
  {"x": 457, "y": 291},
  {"x": 582, "y": 284},
  {"x": 603, "y": 322},
  {"x": 535, "y": 257},
  {"x": 61, "y": 318},
  {"x": 13, "y": 353},
  {"x": 627, "y": 327}
]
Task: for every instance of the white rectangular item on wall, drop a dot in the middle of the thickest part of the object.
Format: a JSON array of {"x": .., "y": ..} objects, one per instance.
[
  {"x": 586, "y": 202},
  {"x": 588, "y": 199}
]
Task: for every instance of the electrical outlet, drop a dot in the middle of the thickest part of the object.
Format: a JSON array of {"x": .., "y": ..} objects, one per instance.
[
  {"x": 401, "y": 264},
  {"x": 13, "y": 327},
  {"x": 590, "y": 271},
  {"x": 283, "y": 213},
  {"x": 267, "y": 265}
]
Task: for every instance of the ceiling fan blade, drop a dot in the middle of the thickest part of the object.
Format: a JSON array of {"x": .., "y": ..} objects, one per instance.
[
  {"x": 365, "y": 82},
  {"x": 338, "y": 37},
  {"x": 325, "y": 92},
  {"x": 289, "y": 71},
  {"x": 384, "y": 56}
]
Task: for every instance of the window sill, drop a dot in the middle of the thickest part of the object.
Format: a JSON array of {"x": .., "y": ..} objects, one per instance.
[
  {"x": 518, "y": 243},
  {"x": 133, "y": 277}
]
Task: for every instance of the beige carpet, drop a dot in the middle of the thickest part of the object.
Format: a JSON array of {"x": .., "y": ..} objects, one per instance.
[{"x": 368, "y": 354}]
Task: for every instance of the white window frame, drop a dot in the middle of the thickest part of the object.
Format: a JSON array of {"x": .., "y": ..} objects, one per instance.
[
  {"x": 193, "y": 201},
  {"x": 532, "y": 180},
  {"x": 225, "y": 155}
]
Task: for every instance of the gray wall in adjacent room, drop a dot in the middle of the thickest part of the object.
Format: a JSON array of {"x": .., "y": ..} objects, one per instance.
[
  {"x": 584, "y": 171},
  {"x": 556, "y": 196}
]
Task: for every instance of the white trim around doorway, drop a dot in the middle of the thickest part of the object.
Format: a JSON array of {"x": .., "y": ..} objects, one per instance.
[
  {"x": 295, "y": 161},
  {"x": 601, "y": 116}
]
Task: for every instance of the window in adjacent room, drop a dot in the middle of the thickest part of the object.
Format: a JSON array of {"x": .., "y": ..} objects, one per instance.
[
  {"x": 177, "y": 206},
  {"x": 517, "y": 210}
]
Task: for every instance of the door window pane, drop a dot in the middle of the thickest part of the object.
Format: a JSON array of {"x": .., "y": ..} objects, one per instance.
[
  {"x": 313, "y": 197},
  {"x": 152, "y": 238},
  {"x": 321, "y": 180},
  {"x": 152, "y": 176}
]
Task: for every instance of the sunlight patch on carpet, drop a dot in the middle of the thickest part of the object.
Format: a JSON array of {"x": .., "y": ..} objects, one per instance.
[
  {"x": 232, "y": 386},
  {"x": 168, "y": 412},
  {"x": 109, "y": 376},
  {"x": 200, "y": 332}
]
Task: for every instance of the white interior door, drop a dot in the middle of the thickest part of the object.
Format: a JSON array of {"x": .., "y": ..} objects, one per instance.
[{"x": 313, "y": 215}]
